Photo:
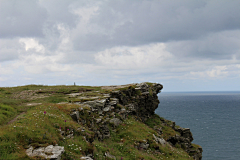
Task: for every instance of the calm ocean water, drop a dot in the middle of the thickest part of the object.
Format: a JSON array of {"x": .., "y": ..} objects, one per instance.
[{"x": 213, "y": 118}]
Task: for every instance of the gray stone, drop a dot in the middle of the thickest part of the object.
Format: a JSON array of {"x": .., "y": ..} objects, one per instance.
[
  {"x": 100, "y": 112},
  {"x": 107, "y": 109},
  {"x": 143, "y": 146},
  {"x": 145, "y": 93},
  {"x": 143, "y": 86},
  {"x": 160, "y": 140},
  {"x": 131, "y": 107},
  {"x": 97, "y": 104},
  {"x": 115, "y": 121},
  {"x": 106, "y": 95},
  {"x": 108, "y": 155},
  {"x": 74, "y": 94},
  {"x": 86, "y": 158},
  {"x": 98, "y": 120},
  {"x": 75, "y": 115},
  {"x": 70, "y": 136},
  {"x": 49, "y": 152},
  {"x": 114, "y": 100}
]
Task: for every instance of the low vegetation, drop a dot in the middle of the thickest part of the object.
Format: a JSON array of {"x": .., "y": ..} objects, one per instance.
[{"x": 44, "y": 116}]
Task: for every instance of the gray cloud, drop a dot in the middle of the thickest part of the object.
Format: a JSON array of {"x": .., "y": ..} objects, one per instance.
[
  {"x": 136, "y": 23},
  {"x": 21, "y": 18},
  {"x": 115, "y": 42},
  {"x": 215, "y": 46}
]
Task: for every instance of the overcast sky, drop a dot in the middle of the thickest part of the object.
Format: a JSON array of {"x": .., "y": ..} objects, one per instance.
[{"x": 185, "y": 45}]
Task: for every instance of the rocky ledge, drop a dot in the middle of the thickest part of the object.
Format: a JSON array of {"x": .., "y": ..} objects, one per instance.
[{"x": 136, "y": 100}]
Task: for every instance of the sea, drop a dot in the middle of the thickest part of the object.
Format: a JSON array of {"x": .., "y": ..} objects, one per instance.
[{"x": 213, "y": 119}]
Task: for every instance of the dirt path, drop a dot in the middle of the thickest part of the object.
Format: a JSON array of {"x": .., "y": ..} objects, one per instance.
[{"x": 13, "y": 120}]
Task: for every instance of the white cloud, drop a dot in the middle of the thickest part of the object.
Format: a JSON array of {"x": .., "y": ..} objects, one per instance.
[
  {"x": 64, "y": 34},
  {"x": 31, "y": 43},
  {"x": 137, "y": 58},
  {"x": 218, "y": 71}
]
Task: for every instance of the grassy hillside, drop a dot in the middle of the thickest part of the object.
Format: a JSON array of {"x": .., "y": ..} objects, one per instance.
[{"x": 38, "y": 119}]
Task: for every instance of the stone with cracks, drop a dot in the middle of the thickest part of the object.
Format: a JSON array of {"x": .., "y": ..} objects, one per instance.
[{"x": 49, "y": 152}]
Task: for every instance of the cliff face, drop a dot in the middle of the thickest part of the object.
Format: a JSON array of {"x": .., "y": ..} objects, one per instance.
[{"x": 138, "y": 101}]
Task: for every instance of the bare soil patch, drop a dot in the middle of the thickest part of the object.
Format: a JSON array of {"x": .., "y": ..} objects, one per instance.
[{"x": 13, "y": 120}]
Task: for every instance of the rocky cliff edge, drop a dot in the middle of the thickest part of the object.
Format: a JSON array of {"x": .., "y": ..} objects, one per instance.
[{"x": 138, "y": 101}]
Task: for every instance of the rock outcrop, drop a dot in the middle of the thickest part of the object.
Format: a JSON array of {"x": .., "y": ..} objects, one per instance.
[
  {"x": 138, "y": 100},
  {"x": 141, "y": 101}
]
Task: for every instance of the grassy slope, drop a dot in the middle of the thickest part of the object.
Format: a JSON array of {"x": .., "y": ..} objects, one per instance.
[{"x": 39, "y": 129}]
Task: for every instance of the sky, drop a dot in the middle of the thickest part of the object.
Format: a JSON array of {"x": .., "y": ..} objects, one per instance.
[{"x": 184, "y": 45}]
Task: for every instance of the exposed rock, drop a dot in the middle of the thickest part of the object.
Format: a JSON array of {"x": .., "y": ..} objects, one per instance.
[
  {"x": 108, "y": 155},
  {"x": 74, "y": 94},
  {"x": 102, "y": 133},
  {"x": 196, "y": 153},
  {"x": 33, "y": 104},
  {"x": 97, "y": 104},
  {"x": 145, "y": 103},
  {"x": 122, "y": 113},
  {"x": 75, "y": 115},
  {"x": 185, "y": 143},
  {"x": 86, "y": 158},
  {"x": 143, "y": 86},
  {"x": 106, "y": 95},
  {"x": 98, "y": 120},
  {"x": 185, "y": 132},
  {"x": 159, "y": 130},
  {"x": 115, "y": 121},
  {"x": 131, "y": 108},
  {"x": 140, "y": 101},
  {"x": 49, "y": 152},
  {"x": 160, "y": 140},
  {"x": 70, "y": 136},
  {"x": 157, "y": 88},
  {"x": 107, "y": 109},
  {"x": 143, "y": 145}
]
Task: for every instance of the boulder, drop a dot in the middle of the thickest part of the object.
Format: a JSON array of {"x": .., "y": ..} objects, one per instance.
[
  {"x": 160, "y": 140},
  {"x": 49, "y": 152}
]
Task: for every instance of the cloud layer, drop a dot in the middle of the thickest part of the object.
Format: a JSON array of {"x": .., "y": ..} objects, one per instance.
[{"x": 178, "y": 43}]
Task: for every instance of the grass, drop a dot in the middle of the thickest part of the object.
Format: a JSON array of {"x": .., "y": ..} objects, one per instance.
[
  {"x": 6, "y": 112},
  {"x": 123, "y": 143},
  {"x": 159, "y": 122},
  {"x": 38, "y": 129}
]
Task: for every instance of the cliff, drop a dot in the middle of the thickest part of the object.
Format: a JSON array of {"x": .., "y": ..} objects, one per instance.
[{"x": 108, "y": 122}]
